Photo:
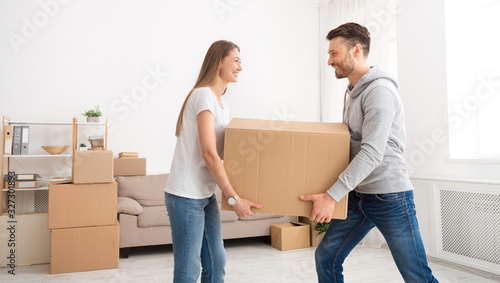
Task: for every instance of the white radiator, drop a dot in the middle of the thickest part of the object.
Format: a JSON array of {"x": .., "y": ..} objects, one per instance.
[
  {"x": 469, "y": 224},
  {"x": 31, "y": 201}
]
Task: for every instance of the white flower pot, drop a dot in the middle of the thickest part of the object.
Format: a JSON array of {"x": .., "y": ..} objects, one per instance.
[{"x": 93, "y": 119}]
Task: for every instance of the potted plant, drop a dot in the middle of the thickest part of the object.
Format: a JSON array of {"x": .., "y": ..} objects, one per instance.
[
  {"x": 93, "y": 114},
  {"x": 317, "y": 230},
  {"x": 82, "y": 146},
  {"x": 321, "y": 227}
]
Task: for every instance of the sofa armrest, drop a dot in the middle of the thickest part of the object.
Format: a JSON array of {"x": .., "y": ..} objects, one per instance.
[{"x": 128, "y": 206}]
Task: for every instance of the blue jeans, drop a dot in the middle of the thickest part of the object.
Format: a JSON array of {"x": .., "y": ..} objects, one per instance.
[
  {"x": 395, "y": 216},
  {"x": 196, "y": 238}
]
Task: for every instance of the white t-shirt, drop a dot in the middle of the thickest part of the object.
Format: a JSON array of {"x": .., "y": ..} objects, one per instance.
[{"x": 189, "y": 175}]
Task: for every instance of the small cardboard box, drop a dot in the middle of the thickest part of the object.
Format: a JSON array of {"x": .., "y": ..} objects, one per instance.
[
  {"x": 273, "y": 163},
  {"x": 86, "y": 248},
  {"x": 78, "y": 205},
  {"x": 129, "y": 167},
  {"x": 315, "y": 238},
  {"x": 289, "y": 236},
  {"x": 92, "y": 166}
]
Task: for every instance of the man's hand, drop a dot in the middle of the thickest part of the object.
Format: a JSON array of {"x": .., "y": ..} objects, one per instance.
[
  {"x": 242, "y": 208},
  {"x": 323, "y": 206}
]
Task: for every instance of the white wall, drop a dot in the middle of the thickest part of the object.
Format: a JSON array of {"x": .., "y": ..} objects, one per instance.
[
  {"x": 92, "y": 52},
  {"x": 423, "y": 88},
  {"x": 69, "y": 57}
]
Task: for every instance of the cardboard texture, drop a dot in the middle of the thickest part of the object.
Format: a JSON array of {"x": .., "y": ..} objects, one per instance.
[
  {"x": 82, "y": 249},
  {"x": 315, "y": 238},
  {"x": 129, "y": 167},
  {"x": 290, "y": 236},
  {"x": 273, "y": 163},
  {"x": 93, "y": 167},
  {"x": 80, "y": 205}
]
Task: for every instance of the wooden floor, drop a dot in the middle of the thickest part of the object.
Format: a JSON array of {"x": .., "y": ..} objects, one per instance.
[{"x": 250, "y": 260}]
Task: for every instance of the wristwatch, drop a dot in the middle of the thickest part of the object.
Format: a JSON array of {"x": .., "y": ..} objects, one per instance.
[{"x": 232, "y": 200}]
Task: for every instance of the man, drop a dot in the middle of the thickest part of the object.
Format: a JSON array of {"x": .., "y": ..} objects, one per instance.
[{"x": 380, "y": 192}]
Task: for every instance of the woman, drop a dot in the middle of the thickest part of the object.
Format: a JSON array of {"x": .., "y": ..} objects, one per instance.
[{"x": 197, "y": 168}]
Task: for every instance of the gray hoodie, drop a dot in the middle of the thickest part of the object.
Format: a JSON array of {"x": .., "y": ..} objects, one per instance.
[{"x": 374, "y": 113}]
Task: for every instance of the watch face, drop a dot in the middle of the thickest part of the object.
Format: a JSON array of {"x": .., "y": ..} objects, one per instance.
[{"x": 231, "y": 201}]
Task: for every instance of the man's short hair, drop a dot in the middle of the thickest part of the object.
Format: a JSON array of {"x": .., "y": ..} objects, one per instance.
[{"x": 353, "y": 34}]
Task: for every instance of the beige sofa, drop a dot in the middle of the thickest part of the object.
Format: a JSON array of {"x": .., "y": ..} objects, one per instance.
[{"x": 144, "y": 219}]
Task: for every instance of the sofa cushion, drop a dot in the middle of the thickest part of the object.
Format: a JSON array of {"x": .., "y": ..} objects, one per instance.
[
  {"x": 147, "y": 190},
  {"x": 153, "y": 216},
  {"x": 259, "y": 216},
  {"x": 128, "y": 206},
  {"x": 227, "y": 216}
]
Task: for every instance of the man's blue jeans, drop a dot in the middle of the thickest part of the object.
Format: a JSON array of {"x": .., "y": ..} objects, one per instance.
[
  {"x": 394, "y": 215},
  {"x": 196, "y": 238}
]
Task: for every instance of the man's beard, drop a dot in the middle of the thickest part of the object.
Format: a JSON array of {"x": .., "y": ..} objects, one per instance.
[{"x": 345, "y": 68}]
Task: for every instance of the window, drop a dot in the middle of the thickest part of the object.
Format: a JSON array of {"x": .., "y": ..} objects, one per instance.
[{"x": 473, "y": 75}]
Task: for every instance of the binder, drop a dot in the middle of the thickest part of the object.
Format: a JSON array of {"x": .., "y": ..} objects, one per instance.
[
  {"x": 25, "y": 139},
  {"x": 24, "y": 177},
  {"x": 23, "y": 184},
  {"x": 16, "y": 141},
  {"x": 8, "y": 139}
]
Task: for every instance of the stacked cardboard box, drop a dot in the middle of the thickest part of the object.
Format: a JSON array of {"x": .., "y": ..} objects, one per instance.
[
  {"x": 82, "y": 216},
  {"x": 129, "y": 164}
]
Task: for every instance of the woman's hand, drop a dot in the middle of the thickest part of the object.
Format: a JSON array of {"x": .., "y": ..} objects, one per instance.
[
  {"x": 207, "y": 136},
  {"x": 242, "y": 208}
]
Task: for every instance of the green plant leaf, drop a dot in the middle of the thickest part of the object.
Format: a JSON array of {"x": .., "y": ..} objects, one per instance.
[
  {"x": 321, "y": 227},
  {"x": 93, "y": 112}
]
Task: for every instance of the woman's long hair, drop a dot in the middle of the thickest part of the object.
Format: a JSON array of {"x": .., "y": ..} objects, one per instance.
[{"x": 208, "y": 72}]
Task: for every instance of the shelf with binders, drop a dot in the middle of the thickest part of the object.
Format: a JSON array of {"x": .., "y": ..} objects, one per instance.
[
  {"x": 36, "y": 159},
  {"x": 37, "y": 155},
  {"x": 42, "y": 182},
  {"x": 55, "y": 123},
  {"x": 41, "y": 188}
]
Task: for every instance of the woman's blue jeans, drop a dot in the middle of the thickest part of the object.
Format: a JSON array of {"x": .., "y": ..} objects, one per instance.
[
  {"x": 394, "y": 215},
  {"x": 196, "y": 238}
]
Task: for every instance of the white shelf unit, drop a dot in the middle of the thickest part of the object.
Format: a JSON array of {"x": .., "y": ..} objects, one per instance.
[
  {"x": 42, "y": 188},
  {"x": 75, "y": 124},
  {"x": 37, "y": 155},
  {"x": 55, "y": 123}
]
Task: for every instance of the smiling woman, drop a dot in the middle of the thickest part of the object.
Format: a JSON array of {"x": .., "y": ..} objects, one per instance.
[{"x": 197, "y": 168}]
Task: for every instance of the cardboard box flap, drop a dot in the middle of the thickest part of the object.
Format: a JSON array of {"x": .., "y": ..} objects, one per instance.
[
  {"x": 259, "y": 125},
  {"x": 246, "y": 124},
  {"x": 321, "y": 128},
  {"x": 288, "y": 126}
]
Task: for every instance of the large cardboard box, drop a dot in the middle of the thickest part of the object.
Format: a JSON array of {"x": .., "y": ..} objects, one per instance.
[
  {"x": 289, "y": 236},
  {"x": 315, "y": 238},
  {"x": 93, "y": 166},
  {"x": 80, "y": 205},
  {"x": 273, "y": 163},
  {"x": 129, "y": 167},
  {"x": 86, "y": 248}
]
